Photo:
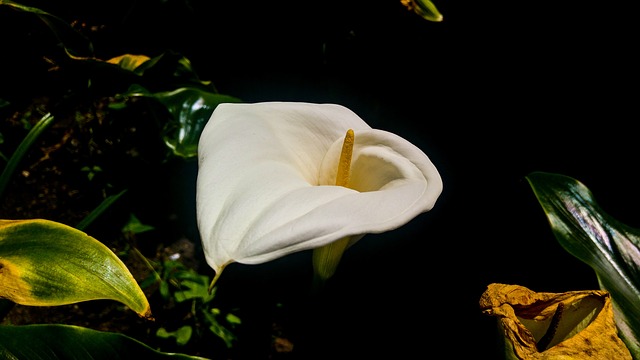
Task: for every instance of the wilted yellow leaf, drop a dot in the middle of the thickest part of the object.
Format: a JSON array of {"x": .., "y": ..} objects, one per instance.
[{"x": 553, "y": 326}]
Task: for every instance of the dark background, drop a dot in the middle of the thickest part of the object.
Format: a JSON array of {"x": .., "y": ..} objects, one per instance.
[{"x": 497, "y": 90}]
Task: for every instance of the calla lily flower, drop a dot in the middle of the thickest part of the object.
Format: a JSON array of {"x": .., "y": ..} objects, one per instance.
[{"x": 276, "y": 178}]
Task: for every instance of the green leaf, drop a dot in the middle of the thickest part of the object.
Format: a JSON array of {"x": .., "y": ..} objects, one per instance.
[
  {"x": 106, "y": 203},
  {"x": 55, "y": 342},
  {"x": 129, "y": 62},
  {"x": 424, "y": 8},
  {"x": 182, "y": 335},
  {"x": 219, "y": 330},
  {"x": 591, "y": 235},
  {"x": 22, "y": 150},
  {"x": 194, "y": 290},
  {"x": 191, "y": 109},
  {"x": 46, "y": 263},
  {"x": 232, "y": 319},
  {"x": 134, "y": 226}
]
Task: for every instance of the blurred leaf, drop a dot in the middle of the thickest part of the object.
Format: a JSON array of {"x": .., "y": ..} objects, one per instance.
[
  {"x": 220, "y": 331},
  {"x": 106, "y": 203},
  {"x": 182, "y": 335},
  {"x": 55, "y": 342},
  {"x": 22, "y": 150},
  {"x": 194, "y": 290},
  {"x": 134, "y": 226},
  {"x": 608, "y": 246},
  {"x": 191, "y": 109},
  {"x": 46, "y": 263},
  {"x": 129, "y": 62},
  {"x": 232, "y": 319},
  {"x": 424, "y": 8}
]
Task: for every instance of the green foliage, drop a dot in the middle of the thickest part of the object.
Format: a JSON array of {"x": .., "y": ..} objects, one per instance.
[
  {"x": 134, "y": 226},
  {"x": 182, "y": 335},
  {"x": 79, "y": 268},
  {"x": 190, "y": 110},
  {"x": 184, "y": 285},
  {"x": 179, "y": 284},
  {"x": 44, "y": 263},
  {"x": 91, "y": 171},
  {"x": 167, "y": 81},
  {"x": 99, "y": 210}
]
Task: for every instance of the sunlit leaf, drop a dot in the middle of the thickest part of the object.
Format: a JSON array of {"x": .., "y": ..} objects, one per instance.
[
  {"x": 424, "y": 8},
  {"x": 46, "y": 263},
  {"x": 591, "y": 235},
  {"x": 55, "y": 342},
  {"x": 128, "y": 61}
]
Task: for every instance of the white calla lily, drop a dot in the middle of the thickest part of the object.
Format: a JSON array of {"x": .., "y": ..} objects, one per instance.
[{"x": 267, "y": 188}]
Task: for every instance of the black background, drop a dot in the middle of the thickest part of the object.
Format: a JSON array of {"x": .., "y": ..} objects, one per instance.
[{"x": 497, "y": 90}]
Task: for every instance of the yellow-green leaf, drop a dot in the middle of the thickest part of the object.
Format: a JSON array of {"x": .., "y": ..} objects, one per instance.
[
  {"x": 128, "y": 61},
  {"x": 425, "y": 8},
  {"x": 46, "y": 263}
]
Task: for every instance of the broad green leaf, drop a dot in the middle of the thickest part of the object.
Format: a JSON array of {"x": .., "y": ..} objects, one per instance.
[
  {"x": 191, "y": 109},
  {"x": 46, "y": 263},
  {"x": 55, "y": 342},
  {"x": 591, "y": 235}
]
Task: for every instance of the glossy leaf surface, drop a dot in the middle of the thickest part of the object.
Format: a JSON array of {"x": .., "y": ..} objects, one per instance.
[
  {"x": 591, "y": 235},
  {"x": 46, "y": 263},
  {"x": 191, "y": 109}
]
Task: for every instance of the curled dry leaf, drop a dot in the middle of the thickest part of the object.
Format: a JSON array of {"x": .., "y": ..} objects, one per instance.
[{"x": 574, "y": 324}]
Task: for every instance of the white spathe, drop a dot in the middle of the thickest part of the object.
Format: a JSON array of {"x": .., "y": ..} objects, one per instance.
[{"x": 266, "y": 181}]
